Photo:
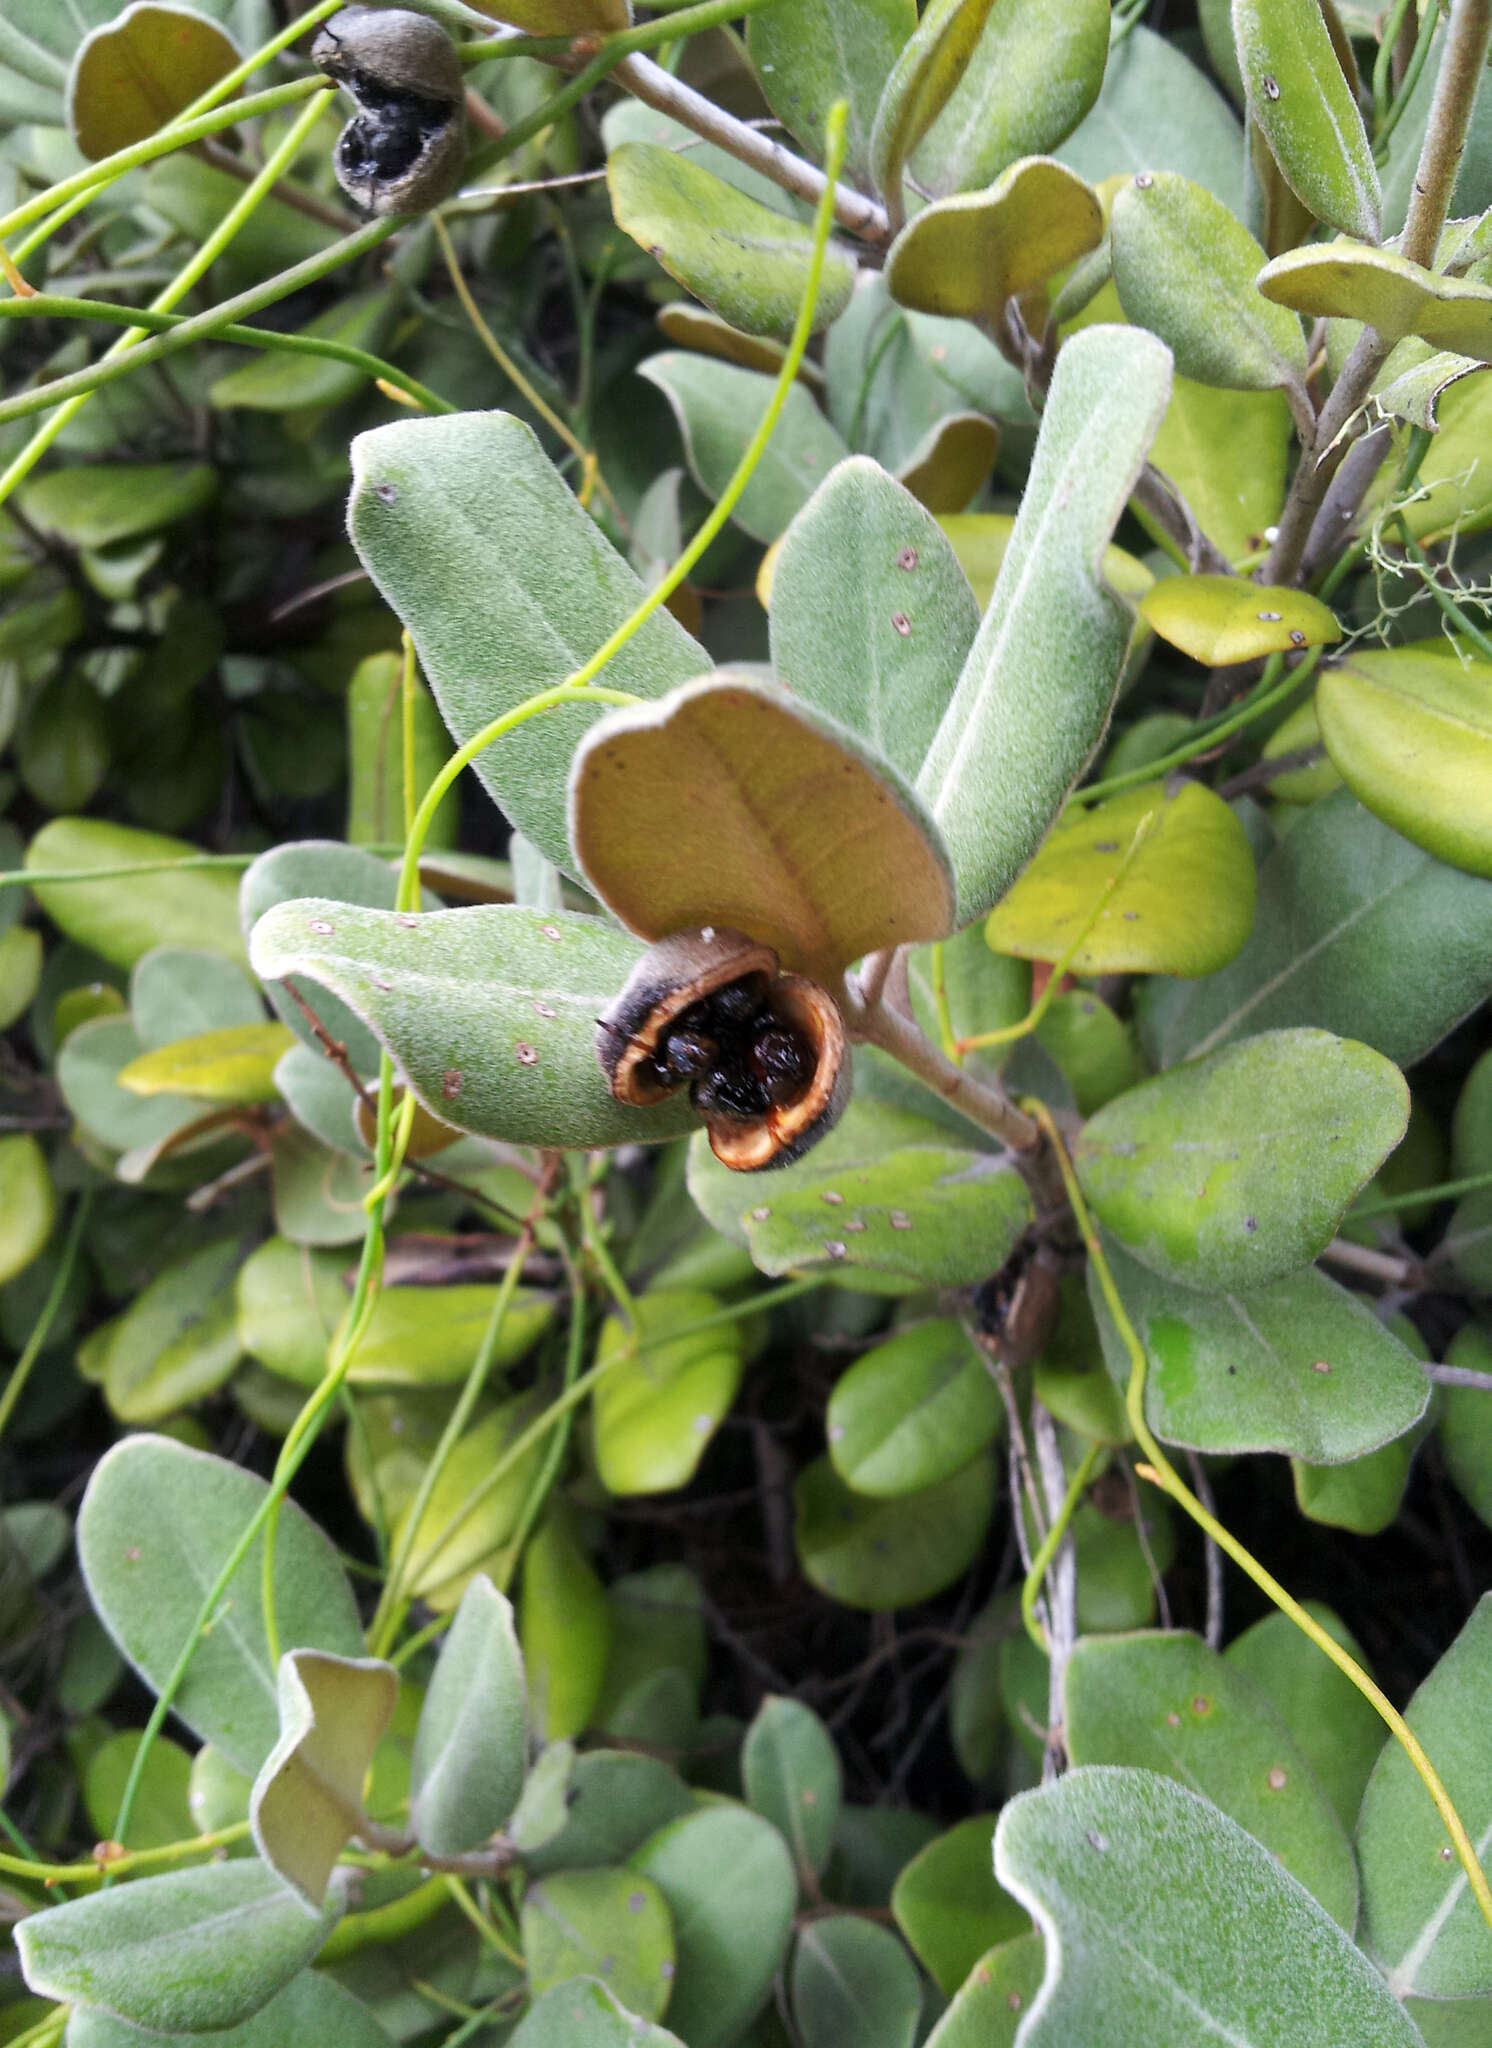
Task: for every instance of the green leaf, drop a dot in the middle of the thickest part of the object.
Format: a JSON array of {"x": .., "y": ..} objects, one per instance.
[
  {"x": 951, "y": 462},
  {"x": 927, "y": 70},
  {"x": 654, "y": 1414},
  {"x": 1184, "y": 267},
  {"x": 1235, "y": 1373},
  {"x": 1035, "y": 693},
  {"x": 157, "y": 1523},
  {"x": 964, "y": 257},
  {"x": 912, "y": 1410},
  {"x": 1229, "y": 454},
  {"x": 1410, "y": 730},
  {"x": 809, "y": 53},
  {"x": 471, "y": 1746},
  {"x": 794, "y": 832},
  {"x": 28, "y": 1203},
  {"x": 1345, "y": 281},
  {"x": 871, "y": 614},
  {"x": 308, "y": 1796},
  {"x": 288, "y": 1301},
  {"x": 881, "y": 1554},
  {"x": 945, "y": 1215},
  {"x": 93, "y": 507},
  {"x": 746, "y": 262},
  {"x": 177, "y": 992},
  {"x": 991, "y": 2003},
  {"x": 234, "y": 1065},
  {"x": 1363, "y": 1495},
  {"x": 275, "y": 382},
  {"x": 581, "y": 2013},
  {"x": 853, "y": 1986},
  {"x": 428, "y": 1336},
  {"x": 195, "y": 1949},
  {"x": 730, "y": 1887},
  {"x": 1414, "y": 395},
  {"x": 1157, "y": 111},
  {"x": 1355, "y": 930},
  {"x": 539, "y": 1816},
  {"x": 375, "y": 765},
  {"x": 718, "y": 408},
  {"x": 177, "y": 1342},
  {"x": 1094, "y": 1049},
  {"x": 1162, "y": 875},
  {"x": 612, "y": 1924},
  {"x": 618, "y": 1798},
  {"x": 217, "y": 1792},
  {"x": 1163, "y": 1918},
  {"x": 505, "y": 592},
  {"x": 1034, "y": 74},
  {"x": 565, "y": 1629},
  {"x": 1466, "y": 1422},
  {"x": 20, "y": 972},
  {"x": 1304, "y": 108},
  {"x": 949, "y": 1905},
  {"x": 462, "y": 998},
  {"x": 450, "y": 1545},
  {"x": 1334, "y": 1725},
  {"x": 312, "y": 2007},
  {"x": 1166, "y": 1703},
  {"x": 161, "y": 1814},
  {"x": 1421, "y": 1924},
  {"x": 63, "y": 749},
  {"x": 791, "y": 1773},
  {"x": 120, "y": 920},
  {"x": 1225, "y": 619},
  {"x": 139, "y": 71},
  {"x": 1236, "y": 1169}
]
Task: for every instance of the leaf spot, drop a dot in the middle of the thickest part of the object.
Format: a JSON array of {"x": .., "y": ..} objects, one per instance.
[
  {"x": 836, "y": 1432},
  {"x": 831, "y": 1195},
  {"x": 1447, "y": 1854},
  {"x": 406, "y": 920},
  {"x": 760, "y": 1215},
  {"x": 899, "y": 1220},
  {"x": 452, "y": 1081},
  {"x": 667, "y": 1968},
  {"x": 854, "y": 1223},
  {"x": 1098, "y": 1841},
  {"x": 323, "y": 927},
  {"x": 906, "y": 558},
  {"x": 636, "y": 1901},
  {"x": 1105, "y": 846},
  {"x": 132, "y": 1553},
  {"x": 1272, "y": 618},
  {"x": 1321, "y": 1365},
  {"x": 1201, "y": 1704},
  {"x": 1144, "y": 180},
  {"x": 902, "y": 624},
  {"x": 1173, "y": 1719},
  {"x": 1251, "y": 1223},
  {"x": 382, "y": 983},
  {"x": 1297, "y": 638},
  {"x": 1014, "y": 2001},
  {"x": 1271, "y": 86},
  {"x": 385, "y": 494},
  {"x": 836, "y": 1249},
  {"x": 703, "y": 1424},
  {"x": 528, "y": 1055},
  {"x": 544, "y": 1009},
  {"x": 1278, "y": 1779},
  {"x": 551, "y": 931}
]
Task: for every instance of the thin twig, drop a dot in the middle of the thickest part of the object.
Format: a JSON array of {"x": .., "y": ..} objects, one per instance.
[
  {"x": 1385, "y": 1266},
  {"x": 659, "y": 89}
]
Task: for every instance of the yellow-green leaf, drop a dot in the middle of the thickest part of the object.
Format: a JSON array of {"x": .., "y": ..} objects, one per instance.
[
  {"x": 967, "y": 255},
  {"x": 655, "y": 1413},
  {"x": 28, "y": 1203},
  {"x": 981, "y": 538},
  {"x": 1410, "y": 730},
  {"x": 747, "y": 262},
  {"x": 1222, "y": 619},
  {"x": 1304, "y": 108},
  {"x": 236, "y": 1064},
  {"x": 308, "y": 1798},
  {"x": 1164, "y": 874},
  {"x": 1347, "y": 281}
]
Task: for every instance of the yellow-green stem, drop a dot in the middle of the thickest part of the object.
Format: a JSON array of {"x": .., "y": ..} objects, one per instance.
[
  {"x": 1162, "y": 1473},
  {"x": 1051, "y": 1543}
]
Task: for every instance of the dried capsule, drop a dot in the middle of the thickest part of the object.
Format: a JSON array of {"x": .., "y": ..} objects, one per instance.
[
  {"x": 405, "y": 149},
  {"x": 763, "y": 1054}
]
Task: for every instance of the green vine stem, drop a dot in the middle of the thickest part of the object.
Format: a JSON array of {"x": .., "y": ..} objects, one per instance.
[
  {"x": 580, "y": 687},
  {"x": 1051, "y": 1543},
  {"x": 1160, "y": 1472},
  {"x": 237, "y": 217},
  {"x": 43, "y": 306},
  {"x": 15, "y": 1386},
  {"x": 1443, "y": 1191}
]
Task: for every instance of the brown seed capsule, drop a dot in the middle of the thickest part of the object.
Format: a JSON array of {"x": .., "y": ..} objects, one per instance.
[
  {"x": 406, "y": 149},
  {"x": 762, "y": 1054}
]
